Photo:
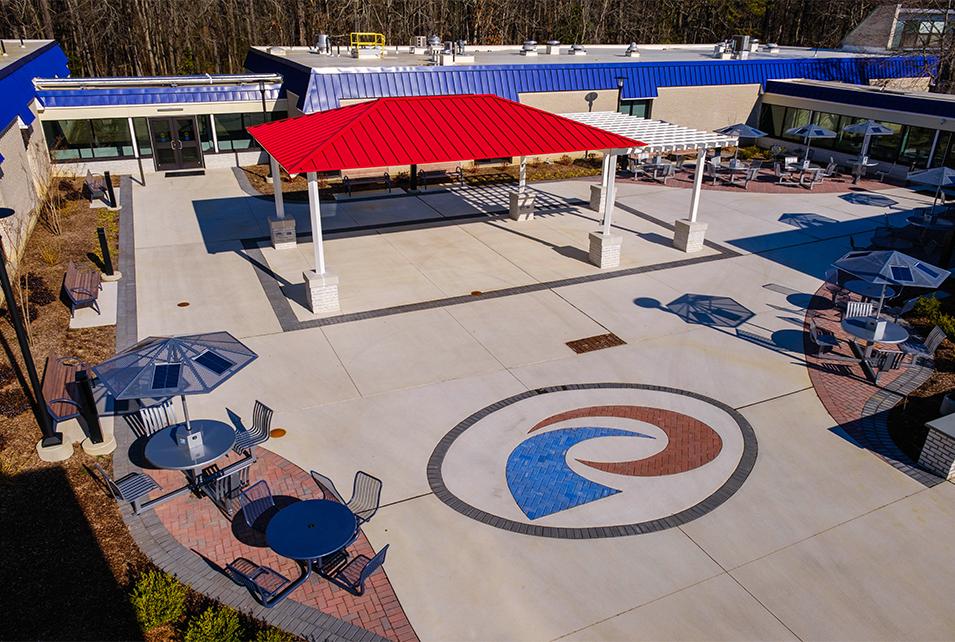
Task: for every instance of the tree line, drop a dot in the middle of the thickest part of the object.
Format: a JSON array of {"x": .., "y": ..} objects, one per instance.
[{"x": 168, "y": 37}]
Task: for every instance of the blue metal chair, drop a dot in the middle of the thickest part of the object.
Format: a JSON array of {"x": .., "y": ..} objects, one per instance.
[
  {"x": 327, "y": 486},
  {"x": 924, "y": 349},
  {"x": 147, "y": 421},
  {"x": 246, "y": 438},
  {"x": 131, "y": 488},
  {"x": 365, "y": 496},
  {"x": 352, "y": 576},
  {"x": 263, "y": 582},
  {"x": 255, "y": 501}
]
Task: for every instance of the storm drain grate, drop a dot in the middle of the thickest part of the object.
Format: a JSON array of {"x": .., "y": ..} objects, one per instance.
[{"x": 599, "y": 342}]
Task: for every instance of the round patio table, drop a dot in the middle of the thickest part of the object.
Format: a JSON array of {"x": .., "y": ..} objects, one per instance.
[
  {"x": 856, "y": 327},
  {"x": 311, "y": 529},
  {"x": 163, "y": 450},
  {"x": 934, "y": 224},
  {"x": 868, "y": 290}
]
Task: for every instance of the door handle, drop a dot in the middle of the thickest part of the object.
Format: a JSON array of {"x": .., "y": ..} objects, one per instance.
[{"x": 177, "y": 144}]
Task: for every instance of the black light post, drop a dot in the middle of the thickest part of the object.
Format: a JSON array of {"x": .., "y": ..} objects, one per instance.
[
  {"x": 620, "y": 82},
  {"x": 50, "y": 436}
]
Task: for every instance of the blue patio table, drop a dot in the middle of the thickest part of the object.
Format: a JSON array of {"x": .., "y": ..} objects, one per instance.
[
  {"x": 932, "y": 223},
  {"x": 311, "y": 529},
  {"x": 868, "y": 290},
  {"x": 857, "y": 327},
  {"x": 164, "y": 451}
]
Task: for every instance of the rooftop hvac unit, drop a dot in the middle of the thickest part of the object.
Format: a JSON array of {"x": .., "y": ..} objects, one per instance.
[
  {"x": 323, "y": 44},
  {"x": 419, "y": 42},
  {"x": 632, "y": 51},
  {"x": 529, "y": 48},
  {"x": 740, "y": 43},
  {"x": 577, "y": 50},
  {"x": 553, "y": 47}
]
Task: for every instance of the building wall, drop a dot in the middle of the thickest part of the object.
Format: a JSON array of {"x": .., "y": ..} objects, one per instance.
[
  {"x": 893, "y": 116},
  {"x": 23, "y": 175},
  {"x": 131, "y": 167},
  {"x": 565, "y": 102},
  {"x": 706, "y": 107},
  {"x": 875, "y": 32}
]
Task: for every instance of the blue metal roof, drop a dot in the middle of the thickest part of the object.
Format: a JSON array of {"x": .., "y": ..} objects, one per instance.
[
  {"x": 321, "y": 89},
  {"x": 154, "y": 95},
  {"x": 16, "y": 82},
  {"x": 916, "y": 104}
]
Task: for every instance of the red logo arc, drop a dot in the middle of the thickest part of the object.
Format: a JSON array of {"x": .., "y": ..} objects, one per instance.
[{"x": 691, "y": 443}]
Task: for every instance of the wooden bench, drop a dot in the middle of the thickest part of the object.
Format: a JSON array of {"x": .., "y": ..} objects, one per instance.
[
  {"x": 377, "y": 179},
  {"x": 95, "y": 186},
  {"x": 82, "y": 287},
  {"x": 59, "y": 387}
]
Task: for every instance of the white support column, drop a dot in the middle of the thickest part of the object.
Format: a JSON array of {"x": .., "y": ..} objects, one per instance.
[
  {"x": 282, "y": 229},
  {"x": 604, "y": 246},
  {"x": 597, "y": 192},
  {"x": 521, "y": 202},
  {"x": 322, "y": 286},
  {"x": 215, "y": 137},
  {"x": 132, "y": 136},
  {"x": 689, "y": 233}
]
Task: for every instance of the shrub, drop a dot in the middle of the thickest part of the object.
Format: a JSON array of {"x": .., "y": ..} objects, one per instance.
[
  {"x": 158, "y": 598},
  {"x": 50, "y": 253},
  {"x": 273, "y": 635},
  {"x": 928, "y": 307},
  {"x": 219, "y": 624}
]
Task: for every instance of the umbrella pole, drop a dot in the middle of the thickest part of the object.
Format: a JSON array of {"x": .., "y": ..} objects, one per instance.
[
  {"x": 185, "y": 412},
  {"x": 878, "y": 311},
  {"x": 938, "y": 191}
]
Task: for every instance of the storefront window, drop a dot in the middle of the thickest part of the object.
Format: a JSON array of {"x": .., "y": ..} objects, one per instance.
[
  {"x": 141, "y": 128},
  {"x": 638, "y": 108},
  {"x": 69, "y": 139},
  {"x": 794, "y": 118},
  {"x": 231, "y": 129},
  {"x": 111, "y": 138},
  {"x": 771, "y": 120},
  {"x": 205, "y": 134},
  {"x": 916, "y": 146},
  {"x": 886, "y": 148}
]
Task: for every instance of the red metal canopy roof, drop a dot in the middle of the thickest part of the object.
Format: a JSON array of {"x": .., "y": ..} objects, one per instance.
[{"x": 425, "y": 129}]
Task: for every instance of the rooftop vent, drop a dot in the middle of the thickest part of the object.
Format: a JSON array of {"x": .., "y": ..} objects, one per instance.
[
  {"x": 772, "y": 48},
  {"x": 553, "y": 47},
  {"x": 577, "y": 50},
  {"x": 632, "y": 51},
  {"x": 323, "y": 44},
  {"x": 529, "y": 48}
]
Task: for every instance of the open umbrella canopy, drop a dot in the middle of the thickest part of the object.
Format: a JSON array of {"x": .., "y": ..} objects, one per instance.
[
  {"x": 888, "y": 267},
  {"x": 168, "y": 366},
  {"x": 868, "y": 128},
  {"x": 937, "y": 176},
  {"x": 741, "y": 130},
  {"x": 811, "y": 131}
]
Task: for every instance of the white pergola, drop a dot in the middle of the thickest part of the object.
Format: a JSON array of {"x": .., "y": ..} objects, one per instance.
[{"x": 660, "y": 137}]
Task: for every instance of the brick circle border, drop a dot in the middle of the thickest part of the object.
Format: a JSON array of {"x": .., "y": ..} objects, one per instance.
[{"x": 723, "y": 493}]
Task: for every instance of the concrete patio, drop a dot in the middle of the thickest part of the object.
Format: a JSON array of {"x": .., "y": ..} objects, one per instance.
[{"x": 820, "y": 539}]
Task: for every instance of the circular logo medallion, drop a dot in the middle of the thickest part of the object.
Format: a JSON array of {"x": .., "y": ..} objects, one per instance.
[{"x": 593, "y": 460}]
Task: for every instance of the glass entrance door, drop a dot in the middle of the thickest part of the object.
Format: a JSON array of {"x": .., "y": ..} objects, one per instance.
[{"x": 175, "y": 143}]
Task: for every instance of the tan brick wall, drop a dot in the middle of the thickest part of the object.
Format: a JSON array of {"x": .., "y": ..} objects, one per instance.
[
  {"x": 875, "y": 31},
  {"x": 907, "y": 84},
  {"x": 564, "y": 102},
  {"x": 706, "y": 107},
  {"x": 24, "y": 170}
]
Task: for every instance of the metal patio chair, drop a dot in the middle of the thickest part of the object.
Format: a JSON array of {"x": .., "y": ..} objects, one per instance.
[
  {"x": 352, "y": 576},
  {"x": 365, "y": 496},
  {"x": 824, "y": 339},
  {"x": 147, "y": 421},
  {"x": 886, "y": 360},
  {"x": 899, "y": 311},
  {"x": 254, "y": 501},
  {"x": 131, "y": 488},
  {"x": 247, "y": 438},
  {"x": 924, "y": 349},
  {"x": 263, "y": 582},
  {"x": 858, "y": 309}
]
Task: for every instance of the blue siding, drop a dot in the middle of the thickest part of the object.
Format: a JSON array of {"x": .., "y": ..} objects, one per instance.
[
  {"x": 327, "y": 87},
  {"x": 895, "y": 102},
  {"x": 154, "y": 95},
  {"x": 16, "y": 81}
]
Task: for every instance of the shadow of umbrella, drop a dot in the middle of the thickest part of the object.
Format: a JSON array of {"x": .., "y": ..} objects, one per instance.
[
  {"x": 864, "y": 198},
  {"x": 713, "y": 311}
]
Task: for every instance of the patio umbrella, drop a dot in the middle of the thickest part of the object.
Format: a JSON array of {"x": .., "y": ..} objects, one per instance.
[
  {"x": 168, "y": 366},
  {"x": 867, "y": 129},
  {"x": 938, "y": 176},
  {"x": 888, "y": 267},
  {"x": 808, "y": 132},
  {"x": 740, "y": 130}
]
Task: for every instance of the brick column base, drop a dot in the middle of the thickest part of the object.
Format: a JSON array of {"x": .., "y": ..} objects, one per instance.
[
  {"x": 938, "y": 453},
  {"x": 688, "y": 236},
  {"x": 282, "y": 231},
  {"x": 521, "y": 206},
  {"x": 605, "y": 250},
  {"x": 322, "y": 290}
]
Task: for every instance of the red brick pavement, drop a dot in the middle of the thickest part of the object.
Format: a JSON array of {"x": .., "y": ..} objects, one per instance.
[
  {"x": 201, "y": 527},
  {"x": 842, "y": 388},
  {"x": 766, "y": 184}
]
